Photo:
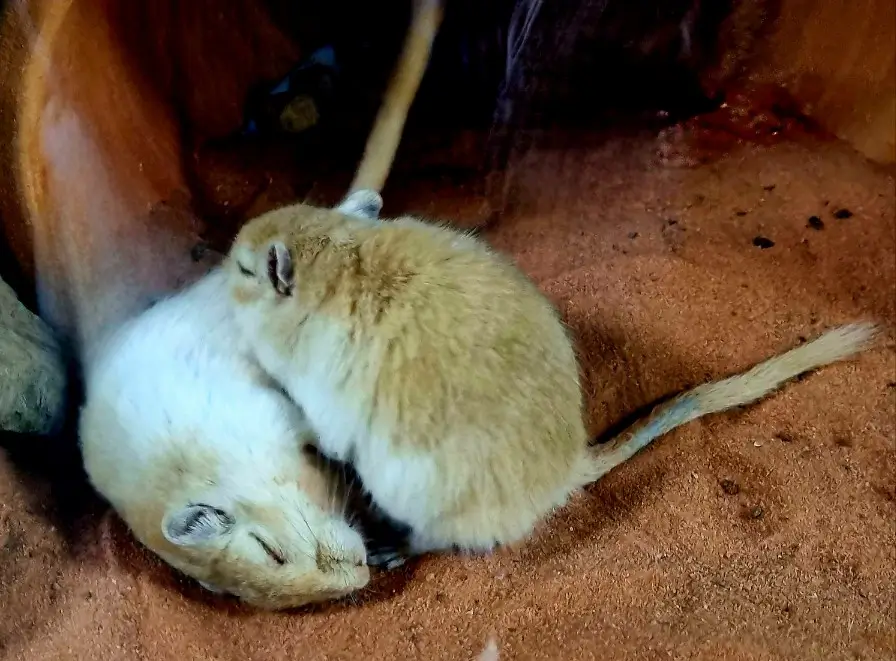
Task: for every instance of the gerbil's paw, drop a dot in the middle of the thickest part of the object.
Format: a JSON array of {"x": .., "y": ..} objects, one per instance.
[
  {"x": 364, "y": 203},
  {"x": 387, "y": 559}
]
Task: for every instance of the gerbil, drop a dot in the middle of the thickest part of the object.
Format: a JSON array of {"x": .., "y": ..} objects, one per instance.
[
  {"x": 436, "y": 368},
  {"x": 200, "y": 456},
  {"x": 203, "y": 459}
]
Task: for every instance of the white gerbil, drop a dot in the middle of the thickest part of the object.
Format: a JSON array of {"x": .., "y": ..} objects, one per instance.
[
  {"x": 436, "y": 368},
  {"x": 203, "y": 459}
]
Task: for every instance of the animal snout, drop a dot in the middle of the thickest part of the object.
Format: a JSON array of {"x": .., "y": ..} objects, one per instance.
[{"x": 327, "y": 560}]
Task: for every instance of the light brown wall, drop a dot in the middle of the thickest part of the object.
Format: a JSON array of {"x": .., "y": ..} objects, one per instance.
[{"x": 838, "y": 58}]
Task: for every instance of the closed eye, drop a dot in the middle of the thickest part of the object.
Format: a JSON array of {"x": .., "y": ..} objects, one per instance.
[
  {"x": 276, "y": 556},
  {"x": 246, "y": 272}
]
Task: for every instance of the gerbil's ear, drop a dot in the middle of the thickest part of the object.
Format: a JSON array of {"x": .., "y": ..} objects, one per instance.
[
  {"x": 364, "y": 203},
  {"x": 280, "y": 268},
  {"x": 196, "y": 524}
]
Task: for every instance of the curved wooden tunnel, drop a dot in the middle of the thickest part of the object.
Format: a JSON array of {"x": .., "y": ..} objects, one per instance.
[{"x": 104, "y": 104}]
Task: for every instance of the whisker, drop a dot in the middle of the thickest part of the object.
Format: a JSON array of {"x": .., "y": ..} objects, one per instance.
[
  {"x": 301, "y": 536},
  {"x": 310, "y": 530}
]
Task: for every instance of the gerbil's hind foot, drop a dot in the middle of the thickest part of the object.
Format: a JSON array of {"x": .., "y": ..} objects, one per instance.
[
  {"x": 387, "y": 559},
  {"x": 387, "y": 546},
  {"x": 387, "y": 540}
]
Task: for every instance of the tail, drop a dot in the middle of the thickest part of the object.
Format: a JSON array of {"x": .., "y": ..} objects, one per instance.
[
  {"x": 382, "y": 144},
  {"x": 739, "y": 390}
]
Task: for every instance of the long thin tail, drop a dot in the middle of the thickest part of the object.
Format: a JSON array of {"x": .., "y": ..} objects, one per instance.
[
  {"x": 738, "y": 390},
  {"x": 382, "y": 144}
]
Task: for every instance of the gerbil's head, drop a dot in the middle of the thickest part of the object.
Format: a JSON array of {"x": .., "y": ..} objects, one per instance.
[
  {"x": 272, "y": 552},
  {"x": 206, "y": 462},
  {"x": 268, "y": 251}
]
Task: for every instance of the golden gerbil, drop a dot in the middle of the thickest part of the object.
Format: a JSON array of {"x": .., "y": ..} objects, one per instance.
[{"x": 435, "y": 367}]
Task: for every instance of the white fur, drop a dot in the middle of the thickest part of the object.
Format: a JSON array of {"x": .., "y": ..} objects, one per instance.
[
  {"x": 174, "y": 371},
  {"x": 171, "y": 383},
  {"x": 365, "y": 203}
]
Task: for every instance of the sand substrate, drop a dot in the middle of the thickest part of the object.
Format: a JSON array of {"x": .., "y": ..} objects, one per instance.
[{"x": 761, "y": 534}]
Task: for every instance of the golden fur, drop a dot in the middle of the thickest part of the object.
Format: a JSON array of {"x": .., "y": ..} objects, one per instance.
[
  {"x": 444, "y": 347},
  {"x": 440, "y": 371}
]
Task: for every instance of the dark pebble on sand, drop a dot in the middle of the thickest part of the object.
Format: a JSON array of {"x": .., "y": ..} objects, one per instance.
[
  {"x": 770, "y": 187},
  {"x": 816, "y": 223},
  {"x": 729, "y": 487},
  {"x": 633, "y": 235},
  {"x": 756, "y": 512},
  {"x": 763, "y": 242},
  {"x": 784, "y": 437},
  {"x": 842, "y": 214},
  {"x": 740, "y": 213}
]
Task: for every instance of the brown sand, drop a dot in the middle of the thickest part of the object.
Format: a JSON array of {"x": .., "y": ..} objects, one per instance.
[{"x": 763, "y": 534}]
